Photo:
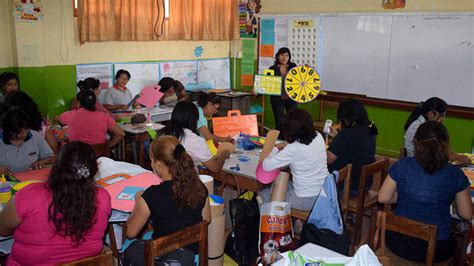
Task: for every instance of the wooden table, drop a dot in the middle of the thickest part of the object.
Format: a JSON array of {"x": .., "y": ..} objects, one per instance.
[
  {"x": 138, "y": 135},
  {"x": 245, "y": 178}
]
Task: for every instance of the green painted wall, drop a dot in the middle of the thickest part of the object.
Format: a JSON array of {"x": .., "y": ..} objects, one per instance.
[{"x": 53, "y": 88}]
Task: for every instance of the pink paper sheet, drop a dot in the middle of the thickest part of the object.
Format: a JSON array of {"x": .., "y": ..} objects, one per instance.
[
  {"x": 40, "y": 174},
  {"x": 144, "y": 180},
  {"x": 150, "y": 95}
]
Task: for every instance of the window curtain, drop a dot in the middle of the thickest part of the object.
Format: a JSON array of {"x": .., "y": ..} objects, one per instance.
[
  {"x": 120, "y": 20},
  {"x": 203, "y": 20}
]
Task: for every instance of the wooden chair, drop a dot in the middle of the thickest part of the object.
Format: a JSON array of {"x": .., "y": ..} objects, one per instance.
[
  {"x": 403, "y": 153},
  {"x": 344, "y": 176},
  {"x": 103, "y": 259},
  {"x": 319, "y": 124},
  {"x": 365, "y": 201},
  {"x": 102, "y": 149},
  {"x": 382, "y": 221},
  {"x": 180, "y": 239}
]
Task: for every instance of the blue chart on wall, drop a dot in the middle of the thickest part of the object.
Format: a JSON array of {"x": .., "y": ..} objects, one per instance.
[{"x": 204, "y": 74}]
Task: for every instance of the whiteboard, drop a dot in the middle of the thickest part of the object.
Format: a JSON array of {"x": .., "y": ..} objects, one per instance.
[
  {"x": 432, "y": 56},
  {"x": 142, "y": 74},
  {"x": 355, "y": 53},
  {"x": 400, "y": 56}
]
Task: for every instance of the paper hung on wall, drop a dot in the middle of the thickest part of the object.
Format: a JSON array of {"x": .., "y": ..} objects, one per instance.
[{"x": 27, "y": 10}]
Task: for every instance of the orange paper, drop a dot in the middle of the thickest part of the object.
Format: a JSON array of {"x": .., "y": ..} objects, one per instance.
[
  {"x": 40, "y": 175},
  {"x": 246, "y": 80},
  {"x": 267, "y": 50},
  {"x": 234, "y": 123}
]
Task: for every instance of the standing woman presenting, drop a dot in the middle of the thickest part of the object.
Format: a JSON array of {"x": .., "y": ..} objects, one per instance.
[{"x": 280, "y": 103}]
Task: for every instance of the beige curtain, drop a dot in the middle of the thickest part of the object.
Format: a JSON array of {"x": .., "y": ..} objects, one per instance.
[
  {"x": 203, "y": 20},
  {"x": 120, "y": 20}
]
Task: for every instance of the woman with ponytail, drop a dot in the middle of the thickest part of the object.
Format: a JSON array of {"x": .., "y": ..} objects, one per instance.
[
  {"x": 90, "y": 84},
  {"x": 89, "y": 125},
  {"x": 63, "y": 219},
  {"x": 354, "y": 143},
  {"x": 424, "y": 187},
  {"x": 178, "y": 202},
  {"x": 433, "y": 109}
]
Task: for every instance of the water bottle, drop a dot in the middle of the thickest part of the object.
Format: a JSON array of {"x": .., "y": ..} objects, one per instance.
[
  {"x": 240, "y": 141},
  {"x": 5, "y": 191}
]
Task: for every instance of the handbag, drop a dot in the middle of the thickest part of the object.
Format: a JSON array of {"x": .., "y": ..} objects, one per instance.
[
  {"x": 242, "y": 242},
  {"x": 325, "y": 238}
]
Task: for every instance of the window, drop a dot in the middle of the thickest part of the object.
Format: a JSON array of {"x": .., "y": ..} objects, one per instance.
[{"x": 167, "y": 8}]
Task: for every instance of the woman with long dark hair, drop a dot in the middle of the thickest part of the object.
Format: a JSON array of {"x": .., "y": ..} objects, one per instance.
[
  {"x": 183, "y": 126},
  {"x": 65, "y": 218},
  {"x": 38, "y": 122},
  {"x": 279, "y": 103},
  {"x": 424, "y": 187},
  {"x": 178, "y": 202},
  {"x": 433, "y": 109},
  {"x": 354, "y": 143}
]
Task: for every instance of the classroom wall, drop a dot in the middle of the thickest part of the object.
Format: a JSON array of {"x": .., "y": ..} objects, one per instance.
[
  {"x": 7, "y": 47},
  {"x": 48, "y": 51},
  {"x": 390, "y": 122}
]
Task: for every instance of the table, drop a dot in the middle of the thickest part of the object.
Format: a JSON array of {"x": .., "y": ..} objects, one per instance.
[
  {"x": 234, "y": 100},
  {"x": 245, "y": 178},
  {"x": 138, "y": 134},
  {"x": 159, "y": 113},
  {"x": 316, "y": 252}
]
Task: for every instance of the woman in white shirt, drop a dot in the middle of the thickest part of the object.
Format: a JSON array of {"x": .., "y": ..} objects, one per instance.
[
  {"x": 433, "y": 109},
  {"x": 183, "y": 125},
  {"x": 304, "y": 152}
]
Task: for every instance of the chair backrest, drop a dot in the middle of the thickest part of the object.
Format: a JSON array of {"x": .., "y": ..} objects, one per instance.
[
  {"x": 378, "y": 170},
  {"x": 403, "y": 153},
  {"x": 180, "y": 239},
  {"x": 102, "y": 149},
  {"x": 326, "y": 103},
  {"x": 382, "y": 221},
  {"x": 103, "y": 259},
  {"x": 345, "y": 176}
]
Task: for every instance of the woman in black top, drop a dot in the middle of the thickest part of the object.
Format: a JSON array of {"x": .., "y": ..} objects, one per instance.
[
  {"x": 355, "y": 143},
  {"x": 279, "y": 103},
  {"x": 178, "y": 202}
]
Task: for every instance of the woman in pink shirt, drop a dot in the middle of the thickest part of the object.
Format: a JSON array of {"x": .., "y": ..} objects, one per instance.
[
  {"x": 89, "y": 125},
  {"x": 63, "y": 219}
]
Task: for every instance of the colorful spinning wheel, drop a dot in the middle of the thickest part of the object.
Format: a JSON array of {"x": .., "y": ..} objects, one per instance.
[{"x": 302, "y": 84}]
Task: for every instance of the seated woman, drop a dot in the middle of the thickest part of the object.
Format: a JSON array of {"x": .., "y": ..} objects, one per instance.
[
  {"x": 424, "y": 187},
  {"x": 90, "y": 84},
  {"x": 433, "y": 109},
  {"x": 183, "y": 126},
  {"x": 208, "y": 105},
  {"x": 173, "y": 91},
  {"x": 178, "y": 202},
  {"x": 61, "y": 220},
  {"x": 38, "y": 121},
  {"x": 21, "y": 148},
  {"x": 118, "y": 96},
  {"x": 88, "y": 125},
  {"x": 304, "y": 152},
  {"x": 9, "y": 83},
  {"x": 354, "y": 144}
]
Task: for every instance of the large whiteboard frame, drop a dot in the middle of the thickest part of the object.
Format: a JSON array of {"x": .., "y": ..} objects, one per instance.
[{"x": 376, "y": 68}]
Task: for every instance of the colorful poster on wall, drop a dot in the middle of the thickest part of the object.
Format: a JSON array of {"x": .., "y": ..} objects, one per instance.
[
  {"x": 393, "y": 4},
  {"x": 248, "y": 62},
  {"x": 248, "y": 18},
  {"x": 303, "y": 40},
  {"x": 102, "y": 72},
  {"x": 27, "y": 10}
]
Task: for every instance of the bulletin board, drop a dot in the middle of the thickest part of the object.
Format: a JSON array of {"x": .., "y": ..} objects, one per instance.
[
  {"x": 398, "y": 56},
  {"x": 203, "y": 74}
]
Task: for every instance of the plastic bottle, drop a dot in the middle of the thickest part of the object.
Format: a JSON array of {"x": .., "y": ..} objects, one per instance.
[
  {"x": 148, "y": 122},
  {"x": 5, "y": 191},
  {"x": 240, "y": 141}
]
